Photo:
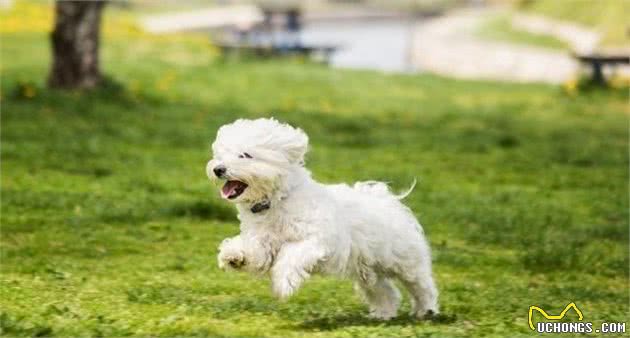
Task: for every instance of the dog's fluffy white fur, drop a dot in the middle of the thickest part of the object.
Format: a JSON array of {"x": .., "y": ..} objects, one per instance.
[{"x": 292, "y": 226}]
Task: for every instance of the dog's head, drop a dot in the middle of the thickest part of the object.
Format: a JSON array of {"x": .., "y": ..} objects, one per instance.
[{"x": 254, "y": 156}]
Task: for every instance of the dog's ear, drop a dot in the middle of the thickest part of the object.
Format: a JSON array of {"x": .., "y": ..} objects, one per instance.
[{"x": 297, "y": 147}]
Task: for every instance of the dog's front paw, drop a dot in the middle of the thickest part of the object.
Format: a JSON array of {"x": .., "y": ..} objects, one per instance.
[{"x": 231, "y": 259}]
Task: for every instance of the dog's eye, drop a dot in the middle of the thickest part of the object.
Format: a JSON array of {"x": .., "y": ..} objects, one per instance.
[{"x": 244, "y": 155}]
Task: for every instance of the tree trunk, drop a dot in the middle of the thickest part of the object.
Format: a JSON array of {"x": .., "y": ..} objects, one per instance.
[{"x": 75, "y": 42}]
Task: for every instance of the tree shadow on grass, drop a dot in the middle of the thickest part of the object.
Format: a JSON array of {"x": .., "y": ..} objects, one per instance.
[
  {"x": 348, "y": 320},
  {"x": 111, "y": 91}
]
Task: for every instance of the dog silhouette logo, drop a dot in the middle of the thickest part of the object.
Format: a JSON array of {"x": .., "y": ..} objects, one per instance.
[{"x": 552, "y": 317}]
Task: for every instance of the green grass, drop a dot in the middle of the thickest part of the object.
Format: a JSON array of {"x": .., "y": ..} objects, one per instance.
[
  {"x": 110, "y": 227},
  {"x": 610, "y": 17},
  {"x": 500, "y": 28}
]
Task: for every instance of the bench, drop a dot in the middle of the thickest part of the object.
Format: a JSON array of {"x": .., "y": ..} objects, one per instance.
[
  {"x": 273, "y": 50},
  {"x": 597, "y": 63}
]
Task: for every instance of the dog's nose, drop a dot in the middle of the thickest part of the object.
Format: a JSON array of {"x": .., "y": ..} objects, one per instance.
[{"x": 219, "y": 170}]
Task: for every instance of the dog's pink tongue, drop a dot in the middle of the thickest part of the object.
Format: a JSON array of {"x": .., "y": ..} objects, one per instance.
[{"x": 229, "y": 187}]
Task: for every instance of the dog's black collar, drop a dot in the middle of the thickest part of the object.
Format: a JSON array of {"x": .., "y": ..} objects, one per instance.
[{"x": 260, "y": 206}]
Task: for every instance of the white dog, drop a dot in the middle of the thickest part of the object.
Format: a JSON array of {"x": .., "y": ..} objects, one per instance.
[{"x": 292, "y": 226}]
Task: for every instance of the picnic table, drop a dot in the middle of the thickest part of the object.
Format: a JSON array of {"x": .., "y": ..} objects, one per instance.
[{"x": 278, "y": 34}]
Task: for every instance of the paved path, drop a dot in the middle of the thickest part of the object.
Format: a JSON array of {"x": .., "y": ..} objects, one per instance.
[
  {"x": 248, "y": 15},
  {"x": 449, "y": 46},
  {"x": 580, "y": 38},
  {"x": 202, "y": 19}
]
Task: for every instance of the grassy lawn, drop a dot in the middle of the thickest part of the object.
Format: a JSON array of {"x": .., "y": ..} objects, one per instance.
[
  {"x": 607, "y": 16},
  {"x": 500, "y": 28},
  {"x": 110, "y": 227}
]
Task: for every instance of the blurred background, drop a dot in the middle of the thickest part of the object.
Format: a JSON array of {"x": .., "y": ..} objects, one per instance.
[
  {"x": 521, "y": 41},
  {"x": 512, "y": 115}
]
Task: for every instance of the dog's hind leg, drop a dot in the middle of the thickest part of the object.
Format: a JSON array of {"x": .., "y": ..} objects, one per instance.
[
  {"x": 422, "y": 290},
  {"x": 381, "y": 295}
]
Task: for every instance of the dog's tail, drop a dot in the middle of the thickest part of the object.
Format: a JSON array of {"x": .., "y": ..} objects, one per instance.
[
  {"x": 406, "y": 193},
  {"x": 382, "y": 189}
]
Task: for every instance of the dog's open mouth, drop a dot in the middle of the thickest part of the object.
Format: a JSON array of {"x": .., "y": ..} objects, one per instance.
[{"x": 233, "y": 189}]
